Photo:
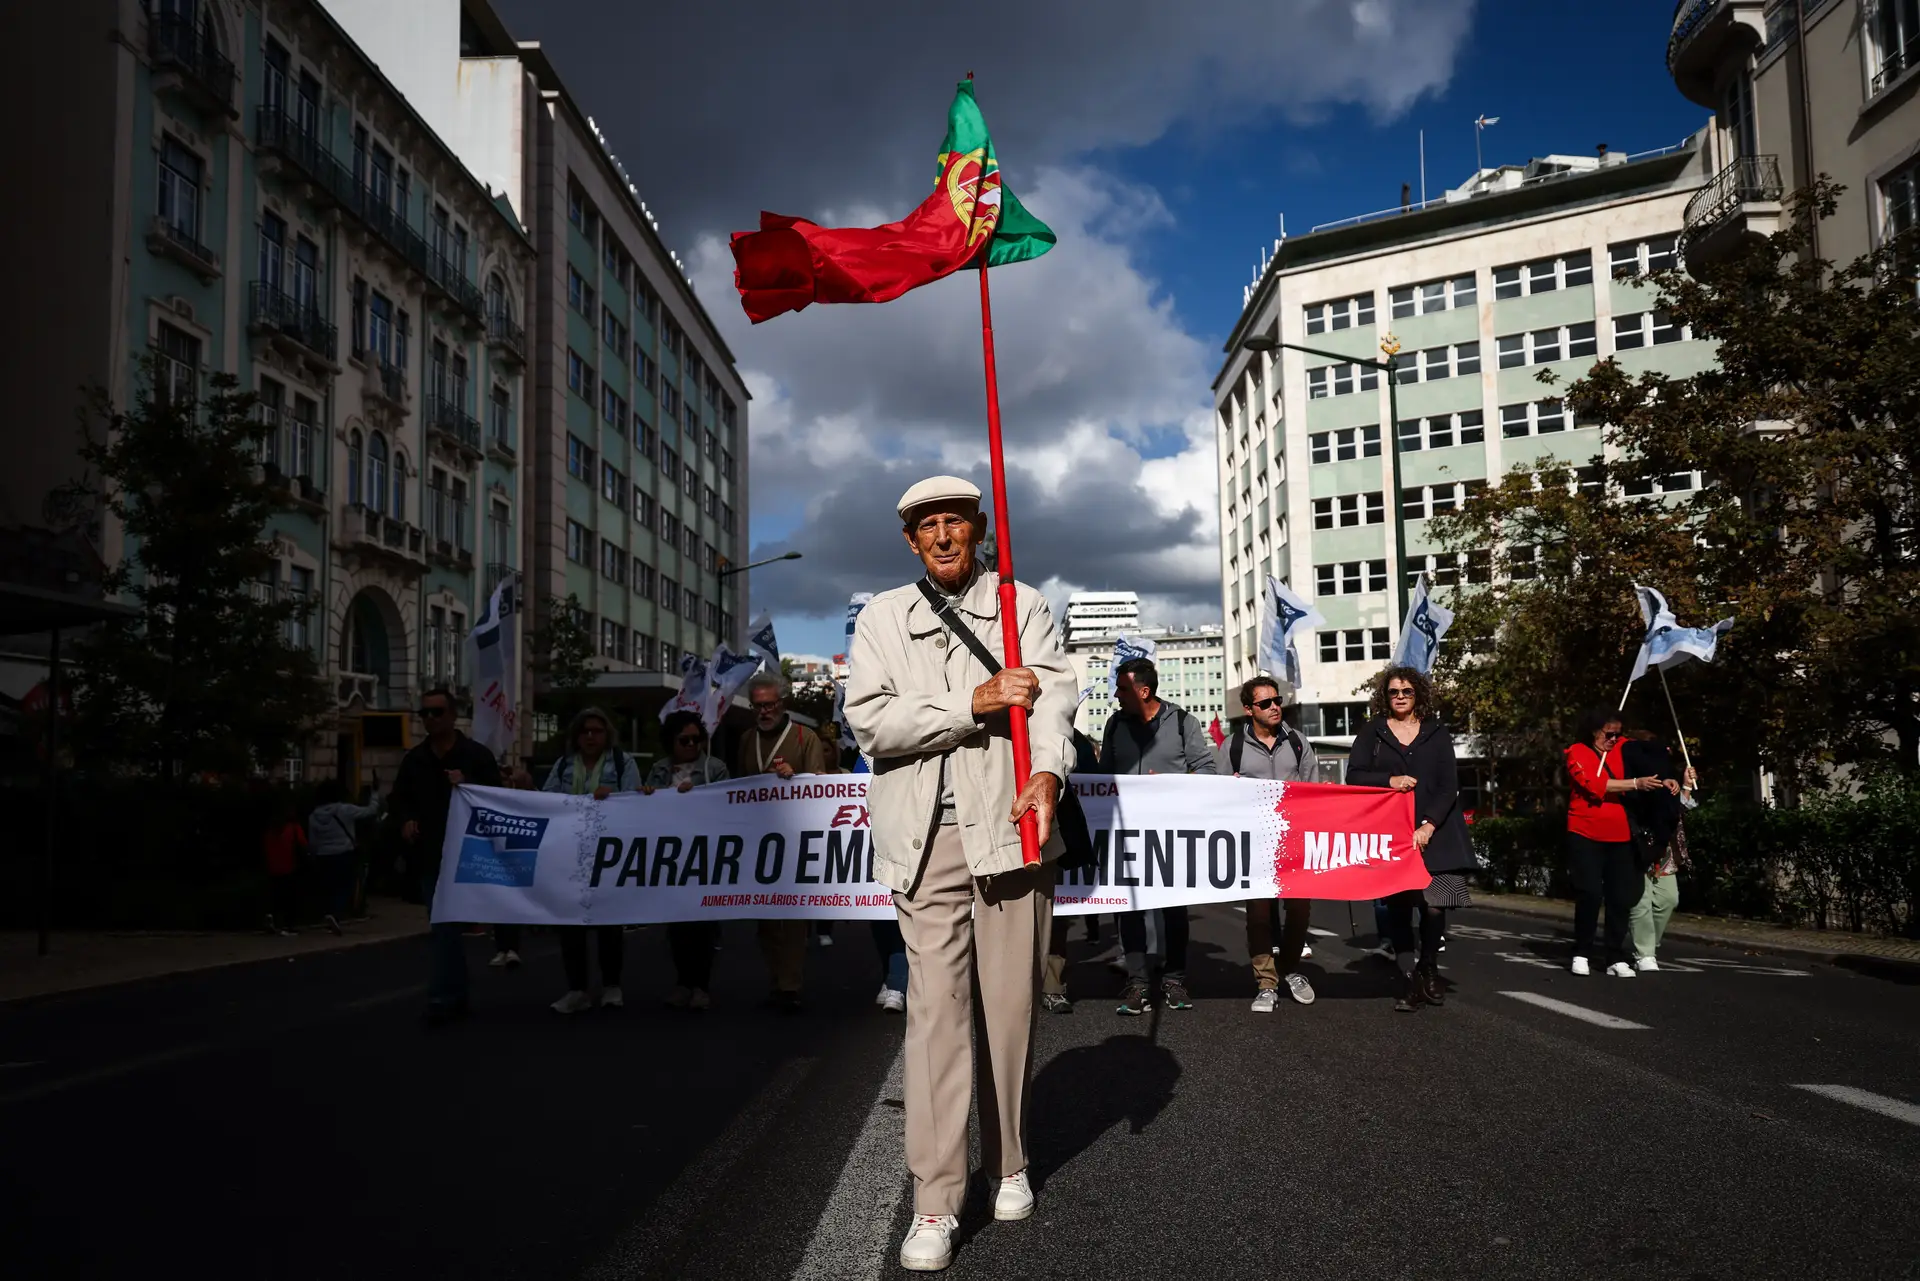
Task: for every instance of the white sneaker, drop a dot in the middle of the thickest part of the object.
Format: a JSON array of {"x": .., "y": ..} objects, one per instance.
[
  {"x": 826, "y": 940},
  {"x": 1299, "y": 989},
  {"x": 1013, "y": 1199},
  {"x": 880, "y": 997},
  {"x": 1267, "y": 1002},
  {"x": 613, "y": 998},
  {"x": 513, "y": 959},
  {"x": 1382, "y": 950},
  {"x": 499, "y": 960},
  {"x": 929, "y": 1243},
  {"x": 1648, "y": 965},
  {"x": 1581, "y": 967},
  {"x": 1620, "y": 970},
  {"x": 893, "y": 1002},
  {"x": 573, "y": 1003},
  {"x": 1306, "y": 951}
]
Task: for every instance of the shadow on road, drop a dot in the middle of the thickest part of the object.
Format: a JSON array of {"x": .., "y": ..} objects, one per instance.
[{"x": 1082, "y": 1093}]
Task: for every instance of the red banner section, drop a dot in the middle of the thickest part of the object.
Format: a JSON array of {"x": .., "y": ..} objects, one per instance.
[{"x": 1350, "y": 843}]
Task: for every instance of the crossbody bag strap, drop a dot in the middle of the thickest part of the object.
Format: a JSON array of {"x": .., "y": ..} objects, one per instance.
[{"x": 944, "y": 612}]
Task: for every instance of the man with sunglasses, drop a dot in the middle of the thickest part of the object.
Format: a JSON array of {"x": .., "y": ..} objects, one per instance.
[
  {"x": 1265, "y": 746},
  {"x": 422, "y": 791}
]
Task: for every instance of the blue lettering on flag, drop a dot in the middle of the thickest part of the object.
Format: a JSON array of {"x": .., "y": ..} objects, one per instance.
[{"x": 500, "y": 849}]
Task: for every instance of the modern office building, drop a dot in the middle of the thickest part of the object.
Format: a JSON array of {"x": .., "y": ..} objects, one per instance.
[
  {"x": 1094, "y": 614},
  {"x": 1512, "y": 273},
  {"x": 1191, "y": 662},
  {"x": 1800, "y": 88},
  {"x": 238, "y": 188}
]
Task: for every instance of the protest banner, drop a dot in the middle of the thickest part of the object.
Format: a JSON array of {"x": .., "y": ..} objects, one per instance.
[{"x": 764, "y": 847}]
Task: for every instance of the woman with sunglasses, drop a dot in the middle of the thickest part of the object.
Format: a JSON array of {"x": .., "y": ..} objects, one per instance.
[
  {"x": 1600, "y": 856},
  {"x": 593, "y": 765},
  {"x": 687, "y": 765},
  {"x": 1407, "y": 747}
]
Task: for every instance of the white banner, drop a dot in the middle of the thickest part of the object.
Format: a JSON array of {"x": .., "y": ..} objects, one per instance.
[
  {"x": 762, "y": 848},
  {"x": 494, "y": 659}
]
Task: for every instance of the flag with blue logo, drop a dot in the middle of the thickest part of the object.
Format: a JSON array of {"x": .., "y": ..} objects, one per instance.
[
  {"x": 1427, "y": 621},
  {"x": 493, "y": 658},
  {"x": 855, "y": 603},
  {"x": 761, "y": 642},
  {"x": 727, "y": 671},
  {"x": 1283, "y": 613},
  {"x": 693, "y": 688},
  {"x": 1666, "y": 643},
  {"x": 1125, "y": 649}
]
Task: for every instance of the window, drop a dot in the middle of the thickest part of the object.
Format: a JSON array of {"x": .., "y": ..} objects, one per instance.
[
  {"x": 690, "y": 599},
  {"x": 692, "y": 546},
  {"x": 1434, "y": 295},
  {"x": 644, "y": 512},
  {"x": 1631, "y": 258},
  {"x": 273, "y": 251},
  {"x": 669, "y": 595},
  {"x": 179, "y": 189},
  {"x": 1355, "y": 645},
  {"x": 613, "y": 485},
  {"x": 613, "y": 333},
  {"x": 499, "y": 534},
  {"x": 1344, "y": 444},
  {"x": 726, "y": 464},
  {"x": 1543, "y": 275},
  {"x": 580, "y": 376},
  {"x": 500, "y": 416},
  {"x": 669, "y": 462},
  {"x": 377, "y": 461},
  {"x": 644, "y": 369},
  {"x": 613, "y": 561},
  {"x": 579, "y": 543},
  {"x": 1647, "y": 329},
  {"x": 670, "y": 530},
  {"x": 1895, "y": 46},
  {"x": 1442, "y": 432},
  {"x": 642, "y": 438},
  {"x": 1349, "y": 510},
  {"x": 643, "y": 579},
  {"x": 710, "y": 557},
  {"x": 176, "y": 374},
  {"x": 613, "y": 408},
  {"x": 1436, "y": 363},
  {"x": 1350, "y": 578},
  {"x": 1675, "y": 483},
  {"x": 1450, "y": 569},
  {"x": 726, "y": 518},
  {"x": 613, "y": 258},
  {"x": 1900, "y": 209},
  {"x": 354, "y": 456},
  {"x": 1537, "y": 418},
  {"x": 1340, "y": 380},
  {"x": 1543, "y": 346},
  {"x": 613, "y": 640},
  {"x": 579, "y": 459},
  {"x": 709, "y": 501},
  {"x": 399, "y": 509},
  {"x": 690, "y": 481},
  {"x": 580, "y": 295},
  {"x": 669, "y": 402},
  {"x": 1421, "y": 502},
  {"x": 1341, "y": 313}
]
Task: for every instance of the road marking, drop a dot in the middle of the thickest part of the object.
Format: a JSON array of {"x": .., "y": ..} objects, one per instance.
[
  {"x": 1317, "y": 932},
  {"x": 856, "y": 1227},
  {"x": 28, "y": 1093},
  {"x": 1580, "y": 1012},
  {"x": 1898, "y": 1109},
  {"x": 638, "y": 1247}
]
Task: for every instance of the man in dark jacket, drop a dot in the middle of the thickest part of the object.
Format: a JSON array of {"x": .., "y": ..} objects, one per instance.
[
  {"x": 1265, "y": 746},
  {"x": 422, "y": 791},
  {"x": 1148, "y": 736}
]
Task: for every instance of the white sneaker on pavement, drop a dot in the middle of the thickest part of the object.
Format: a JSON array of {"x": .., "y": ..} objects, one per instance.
[
  {"x": 1306, "y": 951},
  {"x": 893, "y": 1002},
  {"x": 513, "y": 959},
  {"x": 499, "y": 960},
  {"x": 1620, "y": 970},
  {"x": 1299, "y": 989},
  {"x": 1267, "y": 1001},
  {"x": 1648, "y": 965},
  {"x": 929, "y": 1243},
  {"x": 1013, "y": 1199},
  {"x": 1581, "y": 967},
  {"x": 880, "y": 997},
  {"x": 573, "y": 1003},
  {"x": 612, "y": 998}
]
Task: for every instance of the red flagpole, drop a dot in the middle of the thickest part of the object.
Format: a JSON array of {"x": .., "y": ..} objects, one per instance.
[{"x": 1003, "y": 539}]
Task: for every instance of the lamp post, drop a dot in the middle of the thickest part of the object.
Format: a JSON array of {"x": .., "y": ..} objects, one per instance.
[
  {"x": 741, "y": 569},
  {"x": 1390, "y": 347}
]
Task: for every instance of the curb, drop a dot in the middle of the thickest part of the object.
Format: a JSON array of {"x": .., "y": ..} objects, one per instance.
[{"x": 1899, "y": 969}]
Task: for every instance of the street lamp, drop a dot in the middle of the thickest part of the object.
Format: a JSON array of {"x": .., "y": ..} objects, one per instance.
[
  {"x": 1390, "y": 347},
  {"x": 741, "y": 569}
]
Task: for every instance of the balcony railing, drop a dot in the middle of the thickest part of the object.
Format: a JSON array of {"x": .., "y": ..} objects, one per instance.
[
  {"x": 178, "y": 243},
  {"x": 177, "y": 42},
  {"x": 393, "y": 380},
  {"x": 445, "y": 416},
  {"x": 1748, "y": 180},
  {"x": 503, "y": 331},
  {"x": 281, "y": 134},
  {"x": 281, "y": 313},
  {"x": 497, "y": 573}
]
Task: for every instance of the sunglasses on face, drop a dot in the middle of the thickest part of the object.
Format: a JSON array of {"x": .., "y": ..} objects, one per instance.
[
  {"x": 432, "y": 712},
  {"x": 1264, "y": 703},
  {"x": 1399, "y": 693}
]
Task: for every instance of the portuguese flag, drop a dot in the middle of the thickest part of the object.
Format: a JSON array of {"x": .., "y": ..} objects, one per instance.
[{"x": 790, "y": 262}]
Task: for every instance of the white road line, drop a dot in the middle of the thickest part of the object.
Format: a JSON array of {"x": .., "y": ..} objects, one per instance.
[
  {"x": 1317, "y": 932},
  {"x": 638, "y": 1246},
  {"x": 1580, "y": 1012},
  {"x": 1898, "y": 1109},
  {"x": 855, "y": 1234},
  {"x": 95, "y": 1076}
]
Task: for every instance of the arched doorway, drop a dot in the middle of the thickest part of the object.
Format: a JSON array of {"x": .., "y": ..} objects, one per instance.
[{"x": 373, "y": 652}]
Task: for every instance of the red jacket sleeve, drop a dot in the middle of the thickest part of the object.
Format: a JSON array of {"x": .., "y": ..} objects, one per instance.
[{"x": 1587, "y": 778}]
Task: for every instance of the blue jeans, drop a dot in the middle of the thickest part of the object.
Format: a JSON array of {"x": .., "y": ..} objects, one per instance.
[
  {"x": 447, "y": 980},
  {"x": 892, "y": 947}
]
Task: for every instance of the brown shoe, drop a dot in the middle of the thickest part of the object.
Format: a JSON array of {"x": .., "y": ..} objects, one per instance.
[{"x": 1427, "y": 983}]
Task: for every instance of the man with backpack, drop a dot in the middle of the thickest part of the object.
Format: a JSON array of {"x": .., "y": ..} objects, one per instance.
[
  {"x": 1151, "y": 736},
  {"x": 1265, "y": 746}
]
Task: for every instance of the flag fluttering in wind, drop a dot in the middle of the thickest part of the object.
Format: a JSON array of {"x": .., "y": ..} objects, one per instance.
[
  {"x": 1666, "y": 643},
  {"x": 727, "y": 671},
  {"x": 693, "y": 688},
  {"x": 1427, "y": 621},
  {"x": 762, "y": 642},
  {"x": 493, "y": 657},
  {"x": 1284, "y": 612},
  {"x": 1125, "y": 649},
  {"x": 791, "y": 263},
  {"x": 855, "y": 603}
]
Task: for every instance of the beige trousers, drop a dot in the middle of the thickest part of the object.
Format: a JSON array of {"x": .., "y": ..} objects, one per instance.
[
  {"x": 784, "y": 945},
  {"x": 959, "y": 929}
]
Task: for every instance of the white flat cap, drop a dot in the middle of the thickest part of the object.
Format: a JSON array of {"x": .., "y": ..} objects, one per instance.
[{"x": 937, "y": 489}]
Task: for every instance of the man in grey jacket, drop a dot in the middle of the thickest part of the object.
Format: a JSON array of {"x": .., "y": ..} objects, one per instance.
[
  {"x": 1150, "y": 736},
  {"x": 934, "y": 720},
  {"x": 1265, "y": 746}
]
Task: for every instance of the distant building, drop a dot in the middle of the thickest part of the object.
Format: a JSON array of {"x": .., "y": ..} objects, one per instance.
[{"x": 1091, "y": 614}]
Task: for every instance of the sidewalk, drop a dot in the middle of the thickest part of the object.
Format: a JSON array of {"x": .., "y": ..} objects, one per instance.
[
  {"x": 80, "y": 959},
  {"x": 1836, "y": 947}
]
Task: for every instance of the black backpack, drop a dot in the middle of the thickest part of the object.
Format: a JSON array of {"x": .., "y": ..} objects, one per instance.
[{"x": 1238, "y": 743}]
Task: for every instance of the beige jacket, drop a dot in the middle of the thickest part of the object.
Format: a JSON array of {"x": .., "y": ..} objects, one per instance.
[{"x": 910, "y": 701}]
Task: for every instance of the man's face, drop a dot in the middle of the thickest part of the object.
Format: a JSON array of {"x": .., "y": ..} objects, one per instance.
[
  {"x": 1265, "y": 709},
  {"x": 767, "y": 707},
  {"x": 437, "y": 712},
  {"x": 943, "y": 536},
  {"x": 1131, "y": 695}
]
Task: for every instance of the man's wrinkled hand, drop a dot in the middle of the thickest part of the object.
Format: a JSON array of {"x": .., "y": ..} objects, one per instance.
[
  {"x": 1009, "y": 687},
  {"x": 1042, "y": 796}
]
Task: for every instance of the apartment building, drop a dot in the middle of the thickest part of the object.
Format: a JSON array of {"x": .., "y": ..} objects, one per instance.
[{"x": 1191, "y": 661}]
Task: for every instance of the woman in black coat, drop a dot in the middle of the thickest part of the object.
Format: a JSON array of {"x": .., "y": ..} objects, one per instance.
[{"x": 1407, "y": 747}]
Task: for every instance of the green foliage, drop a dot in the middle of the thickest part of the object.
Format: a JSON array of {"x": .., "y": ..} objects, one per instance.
[
  {"x": 1807, "y": 432},
  {"x": 563, "y": 648},
  {"x": 203, "y": 680}
]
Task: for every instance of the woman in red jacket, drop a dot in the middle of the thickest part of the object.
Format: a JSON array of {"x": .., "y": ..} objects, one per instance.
[{"x": 1600, "y": 858}]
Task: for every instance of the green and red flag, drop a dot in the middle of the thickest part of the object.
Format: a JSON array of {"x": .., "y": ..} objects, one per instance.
[{"x": 790, "y": 263}]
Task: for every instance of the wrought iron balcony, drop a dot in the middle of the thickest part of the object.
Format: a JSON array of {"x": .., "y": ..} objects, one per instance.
[
  {"x": 496, "y": 574},
  {"x": 281, "y": 314},
  {"x": 185, "y": 56},
  {"x": 169, "y": 240},
  {"x": 278, "y": 134},
  {"x": 391, "y": 381},
  {"x": 445, "y": 416},
  {"x": 369, "y": 532},
  {"x": 1741, "y": 204},
  {"x": 506, "y": 334},
  {"x": 1708, "y": 33}
]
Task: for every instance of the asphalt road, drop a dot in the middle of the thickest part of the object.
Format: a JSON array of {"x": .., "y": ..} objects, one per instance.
[{"x": 291, "y": 1120}]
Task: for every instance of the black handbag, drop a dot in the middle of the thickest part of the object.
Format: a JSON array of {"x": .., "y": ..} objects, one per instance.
[{"x": 1068, "y": 818}]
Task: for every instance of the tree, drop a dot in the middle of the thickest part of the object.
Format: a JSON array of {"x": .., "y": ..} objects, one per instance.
[
  {"x": 1806, "y": 435},
  {"x": 204, "y": 678},
  {"x": 563, "y": 649}
]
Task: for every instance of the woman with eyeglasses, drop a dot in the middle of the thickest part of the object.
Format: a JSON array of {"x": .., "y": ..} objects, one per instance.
[
  {"x": 685, "y": 767},
  {"x": 1600, "y": 856},
  {"x": 1406, "y": 746},
  {"x": 593, "y": 765}
]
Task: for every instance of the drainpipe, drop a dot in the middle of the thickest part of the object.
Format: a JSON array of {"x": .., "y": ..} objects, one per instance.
[{"x": 1806, "y": 117}]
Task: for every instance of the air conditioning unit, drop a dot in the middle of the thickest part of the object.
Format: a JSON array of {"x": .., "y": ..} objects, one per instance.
[{"x": 181, "y": 307}]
